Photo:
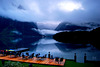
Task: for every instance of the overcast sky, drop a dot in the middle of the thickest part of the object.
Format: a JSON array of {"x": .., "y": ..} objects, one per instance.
[{"x": 51, "y": 10}]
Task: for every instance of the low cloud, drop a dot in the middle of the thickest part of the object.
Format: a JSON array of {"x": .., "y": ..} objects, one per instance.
[
  {"x": 48, "y": 25},
  {"x": 47, "y": 32}
]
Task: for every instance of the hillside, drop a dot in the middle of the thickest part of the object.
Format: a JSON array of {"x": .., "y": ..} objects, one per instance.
[
  {"x": 80, "y": 37},
  {"x": 23, "y": 28}
]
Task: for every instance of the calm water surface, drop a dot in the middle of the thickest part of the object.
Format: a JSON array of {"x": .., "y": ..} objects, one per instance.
[{"x": 57, "y": 49}]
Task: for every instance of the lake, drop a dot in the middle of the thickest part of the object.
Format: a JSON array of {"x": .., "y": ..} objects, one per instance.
[{"x": 57, "y": 49}]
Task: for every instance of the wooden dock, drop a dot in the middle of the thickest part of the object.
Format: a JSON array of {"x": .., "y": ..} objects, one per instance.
[
  {"x": 17, "y": 50},
  {"x": 21, "y": 49},
  {"x": 34, "y": 60}
]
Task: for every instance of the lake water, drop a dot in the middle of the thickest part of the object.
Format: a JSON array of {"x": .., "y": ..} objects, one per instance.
[{"x": 57, "y": 49}]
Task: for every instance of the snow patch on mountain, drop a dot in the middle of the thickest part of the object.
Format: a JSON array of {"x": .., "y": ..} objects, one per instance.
[{"x": 17, "y": 32}]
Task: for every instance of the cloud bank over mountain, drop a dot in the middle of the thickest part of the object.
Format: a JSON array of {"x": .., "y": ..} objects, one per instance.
[{"x": 51, "y": 10}]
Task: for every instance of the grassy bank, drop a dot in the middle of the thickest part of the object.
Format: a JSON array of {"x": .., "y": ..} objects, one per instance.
[{"x": 67, "y": 64}]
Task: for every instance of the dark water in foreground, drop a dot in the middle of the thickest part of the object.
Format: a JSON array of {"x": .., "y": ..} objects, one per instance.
[{"x": 57, "y": 49}]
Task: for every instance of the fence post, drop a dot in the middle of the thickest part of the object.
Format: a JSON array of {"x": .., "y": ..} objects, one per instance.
[
  {"x": 75, "y": 57},
  {"x": 85, "y": 58}
]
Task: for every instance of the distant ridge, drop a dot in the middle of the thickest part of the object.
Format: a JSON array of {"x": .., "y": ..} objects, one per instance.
[{"x": 70, "y": 27}]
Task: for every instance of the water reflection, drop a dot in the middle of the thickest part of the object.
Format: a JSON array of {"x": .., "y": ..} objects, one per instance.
[{"x": 57, "y": 49}]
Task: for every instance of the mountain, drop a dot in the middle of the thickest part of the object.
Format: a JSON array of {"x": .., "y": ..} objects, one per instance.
[
  {"x": 66, "y": 26},
  {"x": 92, "y": 24},
  {"x": 80, "y": 37},
  {"x": 8, "y": 26}
]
